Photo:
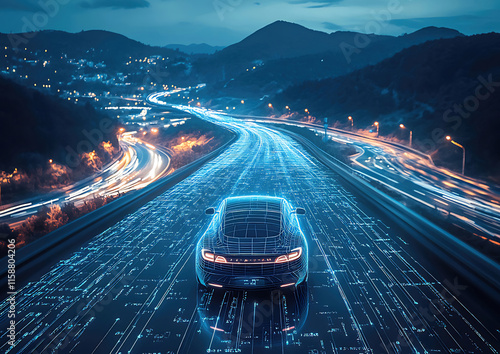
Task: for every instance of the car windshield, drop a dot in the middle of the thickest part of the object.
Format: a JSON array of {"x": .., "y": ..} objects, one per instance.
[{"x": 252, "y": 218}]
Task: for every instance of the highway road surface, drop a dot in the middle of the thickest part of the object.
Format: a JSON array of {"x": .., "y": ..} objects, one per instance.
[
  {"x": 465, "y": 201},
  {"x": 371, "y": 287},
  {"x": 140, "y": 165}
]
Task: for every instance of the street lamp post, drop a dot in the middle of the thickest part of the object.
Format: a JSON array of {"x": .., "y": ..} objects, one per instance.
[
  {"x": 325, "y": 139},
  {"x": 377, "y": 125},
  {"x": 463, "y": 149},
  {"x": 352, "y": 121},
  {"x": 402, "y": 126}
]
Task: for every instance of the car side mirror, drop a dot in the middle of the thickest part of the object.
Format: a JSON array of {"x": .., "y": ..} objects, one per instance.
[
  {"x": 210, "y": 211},
  {"x": 300, "y": 211}
]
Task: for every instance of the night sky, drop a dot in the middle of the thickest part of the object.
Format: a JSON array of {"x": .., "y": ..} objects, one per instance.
[{"x": 223, "y": 22}]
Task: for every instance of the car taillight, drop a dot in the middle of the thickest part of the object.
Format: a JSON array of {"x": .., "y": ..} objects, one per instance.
[
  {"x": 207, "y": 255},
  {"x": 220, "y": 259},
  {"x": 211, "y": 257},
  {"x": 295, "y": 254}
]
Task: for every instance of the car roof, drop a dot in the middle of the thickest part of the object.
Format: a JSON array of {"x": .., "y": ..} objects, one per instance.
[{"x": 253, "y": 216}]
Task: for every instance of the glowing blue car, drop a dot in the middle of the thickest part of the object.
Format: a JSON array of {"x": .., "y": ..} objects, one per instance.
[{"x": 252, "y": 243}]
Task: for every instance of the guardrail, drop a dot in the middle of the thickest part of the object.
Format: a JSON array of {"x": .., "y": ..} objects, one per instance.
[{"x": 474, "y": 266}]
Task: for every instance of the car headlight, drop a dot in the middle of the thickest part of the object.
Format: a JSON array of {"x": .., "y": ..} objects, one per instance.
[{"x": 292, "y": 256}]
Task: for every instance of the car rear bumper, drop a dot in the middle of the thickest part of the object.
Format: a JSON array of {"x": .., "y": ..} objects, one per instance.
[{"x": 250, "y": 280}]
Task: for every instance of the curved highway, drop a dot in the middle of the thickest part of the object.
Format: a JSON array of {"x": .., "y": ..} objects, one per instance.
[
  {"x": 371, "y": 288},
  {"x": 140, "y": 165},
  {"x": 461, "y": 200}
]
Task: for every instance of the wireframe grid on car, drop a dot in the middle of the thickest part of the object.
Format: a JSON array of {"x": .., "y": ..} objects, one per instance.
[{"x": 252, "y": 242}]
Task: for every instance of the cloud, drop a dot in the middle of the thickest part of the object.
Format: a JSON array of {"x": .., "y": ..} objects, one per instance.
[
  {"x": 20, "y": 5},
  {"x": 115, "y": 4},
  {"x": 314, "y": 4},
  {"x": 332, "y": 26},
  {"x": 429, "y": 21}
]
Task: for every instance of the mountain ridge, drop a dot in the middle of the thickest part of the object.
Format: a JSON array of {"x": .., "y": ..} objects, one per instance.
[
  {"x": 426, "y": 88},
  {"x": 195, "y": 48},
  {"x": 273, "y": 58}
]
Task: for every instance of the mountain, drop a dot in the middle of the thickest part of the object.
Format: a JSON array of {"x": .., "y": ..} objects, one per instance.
[
  {"x": 284, "y": 53},
  {"x": 447, "y": 86},
  {"x": 432, "y": 32},
  {"x": 38, "y": 127},
  {"x": 90, "y": 61},
  {"x": 202, "y": 48},
  {"x": 280, "y": 39},
  {"x": 269, "y": 60},
  {"x": 108, "y": 46}
]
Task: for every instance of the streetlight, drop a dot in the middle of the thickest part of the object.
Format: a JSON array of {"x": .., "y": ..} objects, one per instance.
[
  {"x": 463, "y": 155},
  {"x": 377, "y": 125},
  {"x": 306, "y": 110},
  {"x": 325, "y": 139},
  {"x": 270, "y": 105},
  {"x": 352, "y": 121},
  {"x": 402, "y": 126}
]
